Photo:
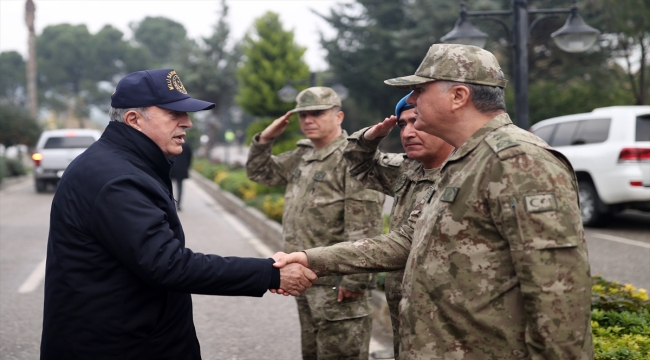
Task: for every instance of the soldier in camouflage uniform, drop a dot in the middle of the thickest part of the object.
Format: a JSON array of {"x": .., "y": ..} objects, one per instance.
[
  {"x": 323, "y": 205},
  {"x": 405, "y": 177},
  {"x": 495, "y": 261}
]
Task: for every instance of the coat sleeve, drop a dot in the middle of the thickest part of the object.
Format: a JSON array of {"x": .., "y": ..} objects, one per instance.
[
  {"x": 535, "y": 207},
  {"x": 374, "y": 169},
  {"x": 128, "y": 220},
  {"x": 267, "y": 169}
]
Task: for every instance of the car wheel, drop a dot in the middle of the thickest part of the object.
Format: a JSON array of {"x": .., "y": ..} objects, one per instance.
[
  {"x": 589, "y": 201},
  {"x": 40, "y": 186}
]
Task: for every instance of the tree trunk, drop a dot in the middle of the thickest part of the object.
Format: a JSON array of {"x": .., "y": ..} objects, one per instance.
[{"x": 30, "y": 14}]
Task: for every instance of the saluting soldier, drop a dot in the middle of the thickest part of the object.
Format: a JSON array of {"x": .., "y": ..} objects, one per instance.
[
  {"x": 406, "y": 177},
  {"x": 323, "y": 206},
  {"x": 495, "y": 261}
]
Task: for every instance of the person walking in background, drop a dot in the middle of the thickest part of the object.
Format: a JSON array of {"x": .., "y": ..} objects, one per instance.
[
  {"x": 118, "y": 278},
  {"x": 323, "y": 205},
  {"x": 180, "y": 171},
  {"x": 406, "y": 177}
]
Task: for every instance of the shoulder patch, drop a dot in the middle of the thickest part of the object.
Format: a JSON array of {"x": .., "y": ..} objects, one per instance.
[
  {"x": 305, "y": 143},
  {"x": 394, "y": 160},
  {"x": 499, "y": 141},
  {"x": 540, "y": 202}
]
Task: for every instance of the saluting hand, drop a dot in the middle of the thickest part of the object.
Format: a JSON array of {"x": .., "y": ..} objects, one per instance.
[
  {"x": 382, "y": 129},
  {"x": 275, "y": 129}
]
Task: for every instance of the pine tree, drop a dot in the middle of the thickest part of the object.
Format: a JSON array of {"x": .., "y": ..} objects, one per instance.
[{"x": 271, "y": 58}]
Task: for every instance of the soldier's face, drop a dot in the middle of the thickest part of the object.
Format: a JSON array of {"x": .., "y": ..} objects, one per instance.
[
  {"x": 432, "y": 103},
  {"x": 321, "y": 126},
  {"x": 419, "y": 145}
]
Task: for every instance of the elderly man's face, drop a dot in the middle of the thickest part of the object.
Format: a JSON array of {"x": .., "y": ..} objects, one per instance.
[
  {"x": 166, "y": 128},
  {"x": 419, "y": 145},
  {"x": 432, "y": 103}
]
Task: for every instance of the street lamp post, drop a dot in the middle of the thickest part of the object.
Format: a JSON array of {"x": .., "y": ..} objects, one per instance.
[
  {"x": 288, "y": 92},
  {"x": 574, "y": 36}
]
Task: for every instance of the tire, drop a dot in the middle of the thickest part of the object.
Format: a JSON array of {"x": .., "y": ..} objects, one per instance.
[
  {"x": 40, "y": 186},
  {"x": 591, "y": 205}
]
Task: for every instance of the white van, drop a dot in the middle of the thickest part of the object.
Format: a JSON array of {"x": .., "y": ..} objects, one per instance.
[
  {"x": 609, "y": 149},
  {"x": 55, "y": 150}
]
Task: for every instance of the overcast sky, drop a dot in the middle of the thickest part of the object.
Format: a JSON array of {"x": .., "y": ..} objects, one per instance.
[{"x": 198, "y": 17}]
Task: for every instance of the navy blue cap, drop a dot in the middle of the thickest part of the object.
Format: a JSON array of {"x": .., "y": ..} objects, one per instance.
[
  {"x": 161, "y": 87},
  {"x": 402, "y": 105}
]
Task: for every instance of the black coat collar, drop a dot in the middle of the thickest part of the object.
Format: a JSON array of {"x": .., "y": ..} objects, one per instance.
[{"x": 141, "y": 147}]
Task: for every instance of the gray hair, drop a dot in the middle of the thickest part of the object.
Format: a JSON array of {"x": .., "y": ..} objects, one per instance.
[
  {"x": 117, "y": 114},
  {"x": 486, "y": 98}
]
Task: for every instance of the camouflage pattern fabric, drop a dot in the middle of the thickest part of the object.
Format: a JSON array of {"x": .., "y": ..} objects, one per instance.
[
  {"x": 323, "y": 205},
  {"x": 316, "y": 98},
  {"x": 407, "y": 182},
  {"x": 495, "y": 261},
  {"x": 333, "y": 330},
  {"x": 455, "y": 62}
]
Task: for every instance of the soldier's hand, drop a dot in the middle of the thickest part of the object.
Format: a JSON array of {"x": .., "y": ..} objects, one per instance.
[
  {"x": 282, "y": 259},
  {"x": 346, "y": 294},
  {"x": 275, "y": 129},
  {"x": 294, "y": 279},
  {"x": 382, "y": 129}
]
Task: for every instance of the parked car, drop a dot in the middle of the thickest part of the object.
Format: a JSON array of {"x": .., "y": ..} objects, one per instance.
[
  {"x": 609, "y": 149},
  {"x": 55, "y": 150}
]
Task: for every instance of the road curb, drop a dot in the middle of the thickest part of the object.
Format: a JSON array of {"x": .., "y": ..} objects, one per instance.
[{"x": 270, "y": 232}]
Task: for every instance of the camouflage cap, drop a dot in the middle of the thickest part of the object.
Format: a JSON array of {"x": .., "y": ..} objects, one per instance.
[
  {"x": 316, "y": 98},
  {"x": 455, "y": 62}
]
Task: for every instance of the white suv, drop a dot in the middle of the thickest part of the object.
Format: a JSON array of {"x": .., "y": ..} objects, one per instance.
[
  {"x": 609, "y": 149},
  {"x": 55, "y": 150}
]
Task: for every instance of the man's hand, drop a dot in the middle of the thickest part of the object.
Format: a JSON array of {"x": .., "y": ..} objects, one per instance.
[
  {"x": 380, "y": 130},
  {"x": 275, "y": 129},
  {"x": 282, "y": 259},
  {"x": 346, "y": 294},
  {"x": 294, "y": 279}
]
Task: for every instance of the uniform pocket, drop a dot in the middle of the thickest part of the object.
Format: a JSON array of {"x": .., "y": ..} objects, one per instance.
[{"x": 347, "y": 310}]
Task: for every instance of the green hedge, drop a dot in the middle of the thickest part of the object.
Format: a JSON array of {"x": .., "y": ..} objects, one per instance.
[
  {"x": 267, "y": 199},
  {"x": 10, "y": 167}
]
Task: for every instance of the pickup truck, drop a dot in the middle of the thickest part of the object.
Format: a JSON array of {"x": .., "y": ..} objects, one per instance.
[
  {"x": 609, "y": 149},
  {"x": 55, "y": 150}
]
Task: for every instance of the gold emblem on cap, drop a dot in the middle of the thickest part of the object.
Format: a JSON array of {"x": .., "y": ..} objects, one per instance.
[{"x": 174, "y": 82}]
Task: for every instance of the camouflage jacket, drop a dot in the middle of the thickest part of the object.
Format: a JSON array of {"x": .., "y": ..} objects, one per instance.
[
  {"x": 323, "y": 204},
  {"x": 496, "y": 259}
]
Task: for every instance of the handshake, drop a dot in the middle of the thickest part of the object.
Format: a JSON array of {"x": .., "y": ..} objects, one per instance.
[{"x": 295, "y": 277}]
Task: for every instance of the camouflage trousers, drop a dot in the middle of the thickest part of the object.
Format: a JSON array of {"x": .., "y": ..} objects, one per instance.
[
  {"x": 330, "y": 330},
  {"x": 393, "y": 290}
]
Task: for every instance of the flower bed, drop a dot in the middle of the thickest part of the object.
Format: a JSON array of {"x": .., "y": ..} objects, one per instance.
[{"x": 267, "y": 199}]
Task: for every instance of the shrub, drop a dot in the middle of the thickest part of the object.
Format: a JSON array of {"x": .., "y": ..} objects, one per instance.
[
  {"x": 15, "y": 167},
  {"x": 620, "y": 318},
  {"x": 4, "y": 172}
]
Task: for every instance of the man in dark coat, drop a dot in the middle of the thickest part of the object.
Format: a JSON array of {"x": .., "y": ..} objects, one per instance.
[
  {"x": 119, "y": 277},
  {"x": 180, "y": 171}
]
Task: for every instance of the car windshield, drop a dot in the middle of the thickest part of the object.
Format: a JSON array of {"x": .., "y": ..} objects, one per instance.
[
  {"x": 643, "y": 128},
  {"x": 69, "y": 142}
]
